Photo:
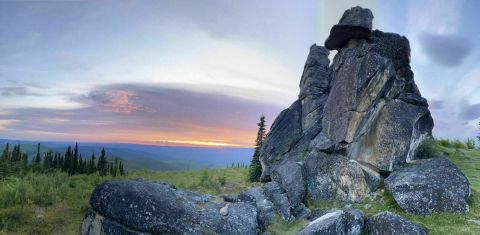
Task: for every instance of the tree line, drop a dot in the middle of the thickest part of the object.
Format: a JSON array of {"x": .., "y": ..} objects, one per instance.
[{"x": 71, "y": 161}]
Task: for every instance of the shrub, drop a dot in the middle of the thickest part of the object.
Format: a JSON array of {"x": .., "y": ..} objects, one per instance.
[
  {"x": 458, "y": 144},
  {"x": 470, "y": 144},
  {"x": 427, "y": 149},
  {"x": 444, "y": 143},
  {"x": 222, "y": 180}
]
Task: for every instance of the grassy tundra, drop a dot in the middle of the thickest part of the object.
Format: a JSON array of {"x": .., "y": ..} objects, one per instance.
[{"x": 54, "y": 203}]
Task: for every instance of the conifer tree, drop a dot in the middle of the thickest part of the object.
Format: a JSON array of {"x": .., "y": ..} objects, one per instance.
[
  {"x": 102, "y": 164},
  {"x": 25, "y": 159},
  {"x": 120, "y": 168},
  {"x": 6, "y": 153},
  {"x": 255, "y": 167},
  {"x": 67, "y": 162},
  {"x": 37, "y": 158},
  {"x": 91, "y": 167},
  {"x": 75, "y": 159}
]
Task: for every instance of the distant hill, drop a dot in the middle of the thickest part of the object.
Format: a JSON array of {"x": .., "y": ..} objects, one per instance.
[{"x": 148, "y": 157}]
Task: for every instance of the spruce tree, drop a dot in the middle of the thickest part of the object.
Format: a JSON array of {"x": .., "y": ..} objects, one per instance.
[
  {"x": 255, "y": 170},
  {"x": 6, "y": 154},
  {"x": 102, "y": 164},
  {"x": 75, "y": 159},
  {"x": 91, "y": 168},
  {"x": 120, "y": 168},
  {"x": 37, "y": 158}
]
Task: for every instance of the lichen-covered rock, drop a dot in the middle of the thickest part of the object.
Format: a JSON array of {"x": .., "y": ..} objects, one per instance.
[
  {"x": 430, "y": 186},
  {"x": 333, "y": 176},
  {"x": 240, "y": 218},
  {"x": 387, "y": 223},
  {"x": 334, "y": 221},
  {"x": 149, "y": 207},
  {"x": 355, "y": 23}
]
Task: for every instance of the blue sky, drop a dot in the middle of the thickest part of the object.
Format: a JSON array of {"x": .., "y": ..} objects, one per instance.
[{"x": 201, "y": 72}]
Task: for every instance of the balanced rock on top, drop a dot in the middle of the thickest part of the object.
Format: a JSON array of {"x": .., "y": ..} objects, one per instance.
[{"x": 356, "y": 23}]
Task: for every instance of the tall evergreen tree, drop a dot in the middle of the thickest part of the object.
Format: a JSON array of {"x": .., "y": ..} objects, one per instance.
[
  {"x": 37, "y": 158},
  {"x": 120, "y": 168},
  {"x": 255, "y": 170},
  {"x": 67, "y": 162},
  {"x": 25, "y": 159},
  {"x": 6, "y": 154},
  {"x": 91, "y": 165},
  {"x": 102, "y": 164},
  {"x": 75, "y": 159}
]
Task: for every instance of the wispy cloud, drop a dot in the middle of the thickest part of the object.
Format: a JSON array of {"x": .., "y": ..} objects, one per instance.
[{"x": 146, "y": 113}]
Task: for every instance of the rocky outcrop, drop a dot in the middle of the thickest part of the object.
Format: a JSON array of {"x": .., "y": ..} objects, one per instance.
[
  {"x": 334, "y": 222},
  {"x": 430, "y": 186},
  {"x": 149, "y": 207},
  {"x": 355, "y": 120},
  {"x": 387, "y": 223}
]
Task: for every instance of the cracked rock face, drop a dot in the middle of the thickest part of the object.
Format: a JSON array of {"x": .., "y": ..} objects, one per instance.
[{"x": 362, "y": 115}]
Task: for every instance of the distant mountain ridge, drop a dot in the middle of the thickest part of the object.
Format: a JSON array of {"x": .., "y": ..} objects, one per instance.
[{"x": 148, "y": 157}]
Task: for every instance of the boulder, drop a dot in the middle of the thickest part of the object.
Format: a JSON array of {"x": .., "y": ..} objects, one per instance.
[
  {"x": 239, "y": 218},
  {"x": 336, "y": 221},
  {"x": 281, "y": 203},
  {"x": 265, "y": 212},
  {"x": 430, "y": 186},
  {"x": 291, "y": 177},
  {"x": 387, "y": 223},
  {"x": 356, "y": 23},
  {"x": 143, "y": 207}
]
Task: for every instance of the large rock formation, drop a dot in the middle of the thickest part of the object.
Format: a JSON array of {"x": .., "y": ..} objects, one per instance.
[{"x": 355, "y": 119}]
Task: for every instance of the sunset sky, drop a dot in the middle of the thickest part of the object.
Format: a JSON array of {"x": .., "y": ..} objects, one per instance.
[{"x": 202, "y": 72}]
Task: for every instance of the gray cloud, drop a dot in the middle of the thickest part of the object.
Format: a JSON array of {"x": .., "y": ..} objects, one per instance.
[
  {"x": 134, "y": 108},
  {"x": 470, "y": 111},
  {"x": 446, "y": 50}
]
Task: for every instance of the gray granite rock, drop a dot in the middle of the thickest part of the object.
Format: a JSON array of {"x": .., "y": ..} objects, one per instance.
[
  {"x": 355, "y": 23},
  {"x": 387, "y": 223},
  {"x": 265, "y": 210},
  {"x": 143, "y": 206},
  {"x": 334, "y": 221},
  {"x": 333, "y": 176},
  {"x": 430, "y": 186}
]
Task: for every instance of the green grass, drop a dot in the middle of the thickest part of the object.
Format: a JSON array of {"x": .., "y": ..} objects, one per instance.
[{"x": 55, "y": 203}]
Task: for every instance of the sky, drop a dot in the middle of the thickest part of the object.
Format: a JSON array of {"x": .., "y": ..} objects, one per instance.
[{"x": 202, "y": 72}]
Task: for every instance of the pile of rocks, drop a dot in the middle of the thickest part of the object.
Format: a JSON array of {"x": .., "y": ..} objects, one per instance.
[{"x": 354, "y": 129}]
